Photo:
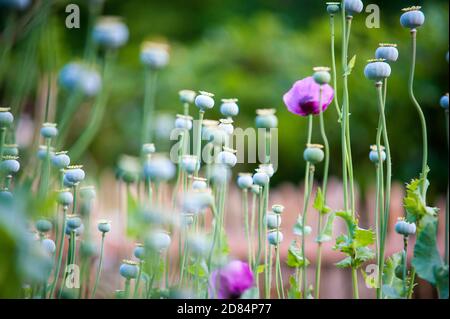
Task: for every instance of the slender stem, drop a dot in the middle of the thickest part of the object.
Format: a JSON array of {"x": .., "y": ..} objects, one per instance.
[
  {"x": 268, "y": 285},
  {"x": 138, "y": 281},
  {"x": 405, "y": 263},
  {"x": 308, "y": 190},
  {"x": 319, "y": 259},
  {"x": 388, "y": 178},
  {"x": 98, "y": 112},
  {"x": 127, "y": 288},
  {"x": 149, "y": 105},
  {"x": 198, "y": 143},
  {"x": 355, "y": 283},
  {"x": 2, "y": 141},
  {"x": 419, "y": 111},
  {"x": 411, "y": 284},
  {"x": 246, "y": 225},
  {"x": 60, "y": 252},
  {"x": 252, "y": 228},
  {"x": 333, "y": 66},
  {"x": 99, "y": 268}
]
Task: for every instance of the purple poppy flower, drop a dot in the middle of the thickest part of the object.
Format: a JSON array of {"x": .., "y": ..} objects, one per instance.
[
  {"x": 231, "y": 281},
  {"x": 303, "y": 98}
]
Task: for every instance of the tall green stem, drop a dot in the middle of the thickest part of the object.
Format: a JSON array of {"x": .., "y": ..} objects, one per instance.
[
  {"x": 246, "y": 225},
  {"x": 309, "y": 177},
  {"x": 60, "y": 252},
  {"x": 198, "y": 142},
  {"x": 419, "y": 111},
  {"x": 386, "y": 209},
  {"x": 99, "y": 268},
  {"x": 333, "y": 66},
  {"x": 151, "y": 77}
]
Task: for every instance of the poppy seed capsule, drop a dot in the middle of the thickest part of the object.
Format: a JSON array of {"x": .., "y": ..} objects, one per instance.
[
  {"x": 373, "y": 155},
  {"x": 313, "y": 154},
  {"x": 187, "y": 96},
  {"x": 189, "y": 163},
  {"x": 44, "y": 151},
  {"x": 159, "y": 240},
  {"x": 6, "y": 117},
  {"x": 278, "y": 209},
  {"x": 6, "y": 197},
  {"x": 444, "y": 102},
  {"x": 266, "y": 118},
  {"x": 388, "y": 52},
  {"x": 60, "y": 160},
  {"x": 227, "y": 157},
  {"x": 204, "y": 101},
  {"x": 353, "y": 6},
  {"x": 322, "y": 75},
  {"x": 199, "y": 184},
  {"x": 412, "y": 18},
  {"x": 11, "y": 150},
  {"x": 260, "y": 179},
  {"x": 183, "y": 122},
  {"x": 155, "y": 55},
  {"x": 110, "y": 32},
  {"x": 49, "y": 246},
  {"x": 226, "y": 126},
  {"x": 275, "y": 238},
  {"x": 148, "y": 149},
  {"x": 229, "y": 107},
  {"x": 65, "y": 198},
  {"x": 73, "y": 222},
  {"x": 404, "y": 228},
  {"x": 273, "y": 221},
  {"x": 9, "y": 166},
  {"x": 139, "y": 251},
  {"x": 104, "y": 226},
  {"x": 333, "y": 7},
  {"x": 74, "y": 175},
  {"x": 43, "y": 226},
  {"x": 244, "y": 180},
  {"x": 129, "y": 269},
  {"x": 49, "y": 130},
  {"x": 377, "y": 70}
]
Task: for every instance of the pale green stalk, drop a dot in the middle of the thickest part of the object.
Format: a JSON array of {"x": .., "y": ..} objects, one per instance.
[{"x": 99, "y": 268}]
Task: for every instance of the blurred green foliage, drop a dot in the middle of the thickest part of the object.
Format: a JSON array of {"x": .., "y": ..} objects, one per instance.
[{"x": 254, "y": 50}]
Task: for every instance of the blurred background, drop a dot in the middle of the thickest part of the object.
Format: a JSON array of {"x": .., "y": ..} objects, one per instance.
[{"x": 252, "y": 50}]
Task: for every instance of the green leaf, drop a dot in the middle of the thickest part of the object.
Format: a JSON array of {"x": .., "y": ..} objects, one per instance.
[
  {"x": 441, "y": 275},
  {"x": 363, "y": 237},
  {"x": 198, "y": 269},
  {"x": 295, "y": 257},
  {"x": 390, "y": 292},
  {"x": 426, "y": 255},
  {"x": 390, "y": 264},
  {"x": 349, "y": 220},
  {"x": 319, "y": 203},
  {"x": 344, "y": 263},
  {"x": 414, "y": 202},
  {"x": 298, "y": 229},
  {"x": 294, "y": 291},
  {"x": 350, "y": 65},
  {"x": 362, "y": 254},
  {"x": 327, "y": 233}
]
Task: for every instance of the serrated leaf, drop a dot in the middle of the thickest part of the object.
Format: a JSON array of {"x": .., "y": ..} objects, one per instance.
[
  {"x": 362, "y": 254},
  {"x": 327, "y": 233},
  {"x": 349, "y": 221},
  {"x": 344, "y": 263},
  {"x": 426, "y": 254},
  {"x": 363, "y": 237},
  {"x": 295, "y": 257}
]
